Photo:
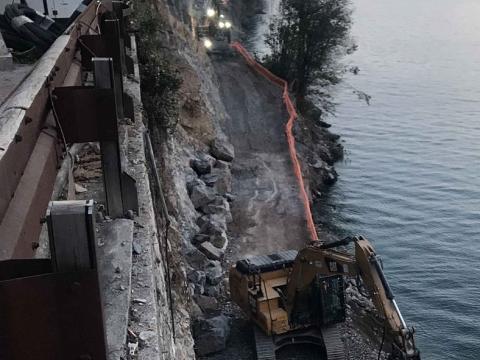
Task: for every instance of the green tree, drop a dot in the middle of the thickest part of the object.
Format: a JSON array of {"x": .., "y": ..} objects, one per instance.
[{"x": 306, "y": 40}]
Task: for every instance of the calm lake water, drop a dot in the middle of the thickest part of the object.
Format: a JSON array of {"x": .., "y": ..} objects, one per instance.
[{"x": 411, "y": 178}]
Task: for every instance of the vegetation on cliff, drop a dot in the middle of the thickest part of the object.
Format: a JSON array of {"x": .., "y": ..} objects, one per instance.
[
  {"x": 306, "y": 40},
  {"x": 160, "y": 80}
]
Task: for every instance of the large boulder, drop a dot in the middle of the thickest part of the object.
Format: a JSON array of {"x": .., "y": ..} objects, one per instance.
[
  {"x": 219, "y": 240},
  {"x": 207, "y": 304},
  {"x": 212, "y": 224},
  {"x": 203, "y": 222},
  {"x": 211, "y": 335},
  {"x": 210, "y": 179},
  {"x": 203, "y": 164},
  {"x": 223, "y": 184},
  {"x": 220, "y": 206},
  {"x": 192, "y": 183},
  {"x": 200, "y": 238},
  {"x": 212, "y": 290},
  {"x": 223, "y": 165},
  {"x": 222, "y": 150},
  {"x": 220, "y": 179},
  {"x": 201, "y": 195},
  {"x": 210, "y": 251},
  {"x": 214, "y": 273},
  {"x": 198, "y": 279},
  {"x": 196, "y": 258}
]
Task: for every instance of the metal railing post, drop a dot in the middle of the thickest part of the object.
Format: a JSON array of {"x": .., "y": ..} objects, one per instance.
[{"x": 104, "y": 79}]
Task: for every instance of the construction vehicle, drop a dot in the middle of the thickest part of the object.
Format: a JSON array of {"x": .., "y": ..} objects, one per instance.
[
  {"x": 298, "y": 297},
  {"x": 214, "y": 30}
]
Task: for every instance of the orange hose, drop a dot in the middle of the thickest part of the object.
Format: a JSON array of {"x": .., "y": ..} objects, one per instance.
[{"x": 288, "y": 131}]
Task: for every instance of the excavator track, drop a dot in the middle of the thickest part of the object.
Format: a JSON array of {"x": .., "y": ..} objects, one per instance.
[
  {"x": 332, "y": 338},
  {"x": 264, "y": 345}
]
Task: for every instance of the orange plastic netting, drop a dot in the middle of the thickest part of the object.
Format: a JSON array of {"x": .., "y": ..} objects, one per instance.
[{"x": 288, "y": 130}]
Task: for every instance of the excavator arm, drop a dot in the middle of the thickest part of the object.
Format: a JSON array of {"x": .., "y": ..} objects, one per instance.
[{"x": 321, "y": 259}]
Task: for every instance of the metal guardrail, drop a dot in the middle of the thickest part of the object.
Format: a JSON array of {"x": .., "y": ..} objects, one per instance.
[
  {"x": 30, "y": 149},
  {"x": 51, "y": 308}
]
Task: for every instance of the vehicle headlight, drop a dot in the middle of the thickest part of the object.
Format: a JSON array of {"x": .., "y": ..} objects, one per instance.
[
  {"x": 221, "y": 24},
  {"x": 207, "y": 43},
  {"x": 228, "y": 24},
  {"x": 210, "y": 12}
]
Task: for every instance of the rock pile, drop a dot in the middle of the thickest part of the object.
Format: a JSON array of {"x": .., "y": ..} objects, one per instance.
[{"x": 210, "y": 194}]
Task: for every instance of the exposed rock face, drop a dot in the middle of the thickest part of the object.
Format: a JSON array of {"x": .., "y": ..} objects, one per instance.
[{"x": 211, "y": 335}]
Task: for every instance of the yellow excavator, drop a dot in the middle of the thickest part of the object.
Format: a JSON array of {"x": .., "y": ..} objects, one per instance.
[{"x": 298, "y": 297}]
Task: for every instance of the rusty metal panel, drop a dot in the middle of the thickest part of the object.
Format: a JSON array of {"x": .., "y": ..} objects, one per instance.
[
  {"x": 21, "y": 225},
  {"x": 17, "y": 149},
  {"x": 93, "y": 46},
  {"x": 12, "y": 269},
  {"x": 86, "y": 113},
  {"x": 52, "y": 317}
]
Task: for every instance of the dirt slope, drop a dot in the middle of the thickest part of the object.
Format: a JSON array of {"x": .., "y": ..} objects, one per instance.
[{"x": 267, "y": 211}]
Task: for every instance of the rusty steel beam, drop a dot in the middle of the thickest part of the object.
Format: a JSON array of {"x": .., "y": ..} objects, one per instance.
[
  {"x": 23, "y": 198},
  {"x": 22, "y": 219}
]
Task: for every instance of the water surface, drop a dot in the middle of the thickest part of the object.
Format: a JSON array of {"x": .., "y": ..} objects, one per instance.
[{"x": 411, "y": 179}]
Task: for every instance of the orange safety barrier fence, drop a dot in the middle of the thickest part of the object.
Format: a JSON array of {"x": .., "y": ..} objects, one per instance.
[{"x": 288, "y": 130}]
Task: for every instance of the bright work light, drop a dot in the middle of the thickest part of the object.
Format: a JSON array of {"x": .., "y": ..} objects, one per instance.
[
  {"x": 221, "y": 24},
  {"x": 210, "y": 12},
  {"x": 207, "y": 43},
  {"x": 228, "y": 24}
]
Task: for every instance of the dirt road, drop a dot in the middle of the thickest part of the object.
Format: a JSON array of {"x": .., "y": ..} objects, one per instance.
[
  {"x": 267, "y": 211},
  {"x": 268, "y": 215}
]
